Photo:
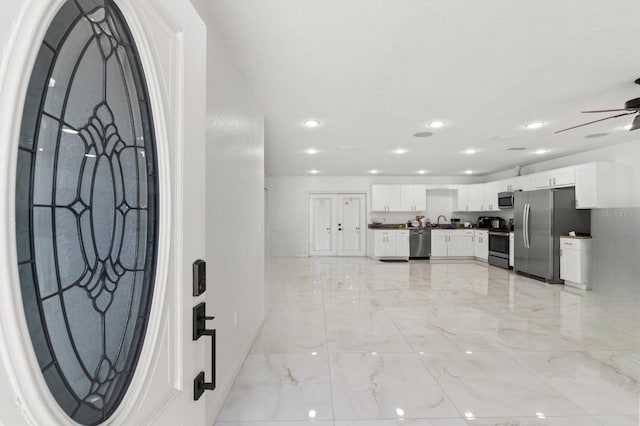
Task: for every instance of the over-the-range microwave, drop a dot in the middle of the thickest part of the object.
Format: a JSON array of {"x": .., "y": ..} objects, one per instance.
[{"x": 505, "y": 200}]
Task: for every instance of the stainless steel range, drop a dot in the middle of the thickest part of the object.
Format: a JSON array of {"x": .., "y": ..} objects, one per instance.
[{"x": 499, "y": 247}]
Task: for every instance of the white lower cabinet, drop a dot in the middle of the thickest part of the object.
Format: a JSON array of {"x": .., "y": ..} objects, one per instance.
[
  {"x": 439, "y": 243},
  {"x": 574, "y": 262},
  {"x": 389, "y": 244},
  {"x": 451, "y": 243},
  {"x": 481, "y": 244}
]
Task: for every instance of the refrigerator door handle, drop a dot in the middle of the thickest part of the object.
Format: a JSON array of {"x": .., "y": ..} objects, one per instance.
[{"x": 526, "y": 225}]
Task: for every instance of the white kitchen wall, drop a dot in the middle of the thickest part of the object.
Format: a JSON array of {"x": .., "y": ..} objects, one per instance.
[
  {"x": 441, "y": 202},
  {"x": 288, "y": 199},
  {"x": 235, "y": 213}
]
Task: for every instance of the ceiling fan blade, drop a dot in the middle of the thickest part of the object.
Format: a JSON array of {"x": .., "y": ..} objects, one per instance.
[
  {"x": 608, "y": 110},
  {"x": 636, "y": 123},
  {"x": 595, "y": 121}
]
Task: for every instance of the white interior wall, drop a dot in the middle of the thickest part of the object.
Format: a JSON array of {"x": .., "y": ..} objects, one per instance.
[
  {"x": 288, "y": 203},
  {"x": 235, "y": 213},
  {"x": 440, "y": 203}
]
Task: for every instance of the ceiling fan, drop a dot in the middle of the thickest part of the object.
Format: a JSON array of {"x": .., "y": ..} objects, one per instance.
[{"x": 632, "y": 106}]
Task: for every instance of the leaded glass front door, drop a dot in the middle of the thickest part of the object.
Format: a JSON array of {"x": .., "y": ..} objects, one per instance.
[{"x": 100, "y": 239}]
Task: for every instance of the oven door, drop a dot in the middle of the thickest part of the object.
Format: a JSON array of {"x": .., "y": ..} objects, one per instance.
[{"x": 499, "y": 243}]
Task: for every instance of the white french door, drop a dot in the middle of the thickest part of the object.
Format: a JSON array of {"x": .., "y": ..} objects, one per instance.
[
  {"x": 337, "y": 224},
  {"x": 171, "y": 41}
]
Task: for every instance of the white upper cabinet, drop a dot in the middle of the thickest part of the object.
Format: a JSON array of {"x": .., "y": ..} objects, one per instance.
[
  {"x": 398, "y": 198},
  {"x": 491, "y": 190},
  {"x": 413, "y": 198},
  {"x": 517, "y": 183},
  {"x": 462, "y": 204},
  {"x": 523, "y": 183},
  {"x": 598, "y": 185},
  {"x": 385, "y": 198},
  {"x": 476, "y": 197},
  {"x": 603, "y": 185},
  {"x": 504, "y": 185},
  {"x": 556, "y": 178}
]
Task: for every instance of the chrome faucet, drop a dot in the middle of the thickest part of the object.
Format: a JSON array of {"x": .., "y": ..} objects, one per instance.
[{"x": 441, "y": 216}]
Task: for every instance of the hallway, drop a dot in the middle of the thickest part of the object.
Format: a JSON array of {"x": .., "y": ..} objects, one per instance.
[{"x": 355, "y": 342}]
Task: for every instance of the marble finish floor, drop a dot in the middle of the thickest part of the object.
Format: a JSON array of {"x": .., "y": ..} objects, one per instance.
[{"x": 357, "y": 342}]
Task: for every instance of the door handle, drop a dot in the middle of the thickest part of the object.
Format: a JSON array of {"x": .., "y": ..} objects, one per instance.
[
  {"x": 200, "y": 329},
  {"x": 527, "y": 209}
]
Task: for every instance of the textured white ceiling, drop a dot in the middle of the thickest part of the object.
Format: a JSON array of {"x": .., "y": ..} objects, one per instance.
[{"x": 374, "y": 72}]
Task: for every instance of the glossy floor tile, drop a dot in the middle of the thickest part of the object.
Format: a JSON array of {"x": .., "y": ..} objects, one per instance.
[{"x": 357, "y": 342}]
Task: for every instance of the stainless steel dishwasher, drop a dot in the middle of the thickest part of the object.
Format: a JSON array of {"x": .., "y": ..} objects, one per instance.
[{"x": 420, "y": 243}]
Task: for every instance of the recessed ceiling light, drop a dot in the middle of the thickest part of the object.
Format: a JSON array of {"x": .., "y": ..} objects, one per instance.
[
  {"x": 400, "y": 151},
  {"x": 468, "y": 172},
  {"x": 373, "y": 172},
  {"x": 312, "y": 123},
  {"x": 436, "y": 124},
  {"x": 421, "y": 172},
  {"x": 541, "y": 151},
  {"x": 314, "y": 172},
  {"x": 534, "y": 125},
  {"x": 311, "y": 151},
  {"x": 422, "y": 134},
  {"x": 626, "y": 127},
  {"x": 470, "y": 151}
]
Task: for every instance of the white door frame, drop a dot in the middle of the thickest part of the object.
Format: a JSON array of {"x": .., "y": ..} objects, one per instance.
[
  {"x": 25, "y": 398},
  {"x": 309, "y": 237}
]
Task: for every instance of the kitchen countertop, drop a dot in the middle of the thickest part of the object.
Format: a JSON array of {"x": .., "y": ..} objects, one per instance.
[
  {"x": 577, "y": 237},
  {"x": 401, "y": 226}
]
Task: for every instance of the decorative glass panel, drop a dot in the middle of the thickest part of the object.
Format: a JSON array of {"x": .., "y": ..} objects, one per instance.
[{"x": 86, "y": 208}]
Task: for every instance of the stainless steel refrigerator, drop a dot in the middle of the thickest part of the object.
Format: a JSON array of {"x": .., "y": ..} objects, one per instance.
[{"x": 540, "y": 218}]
